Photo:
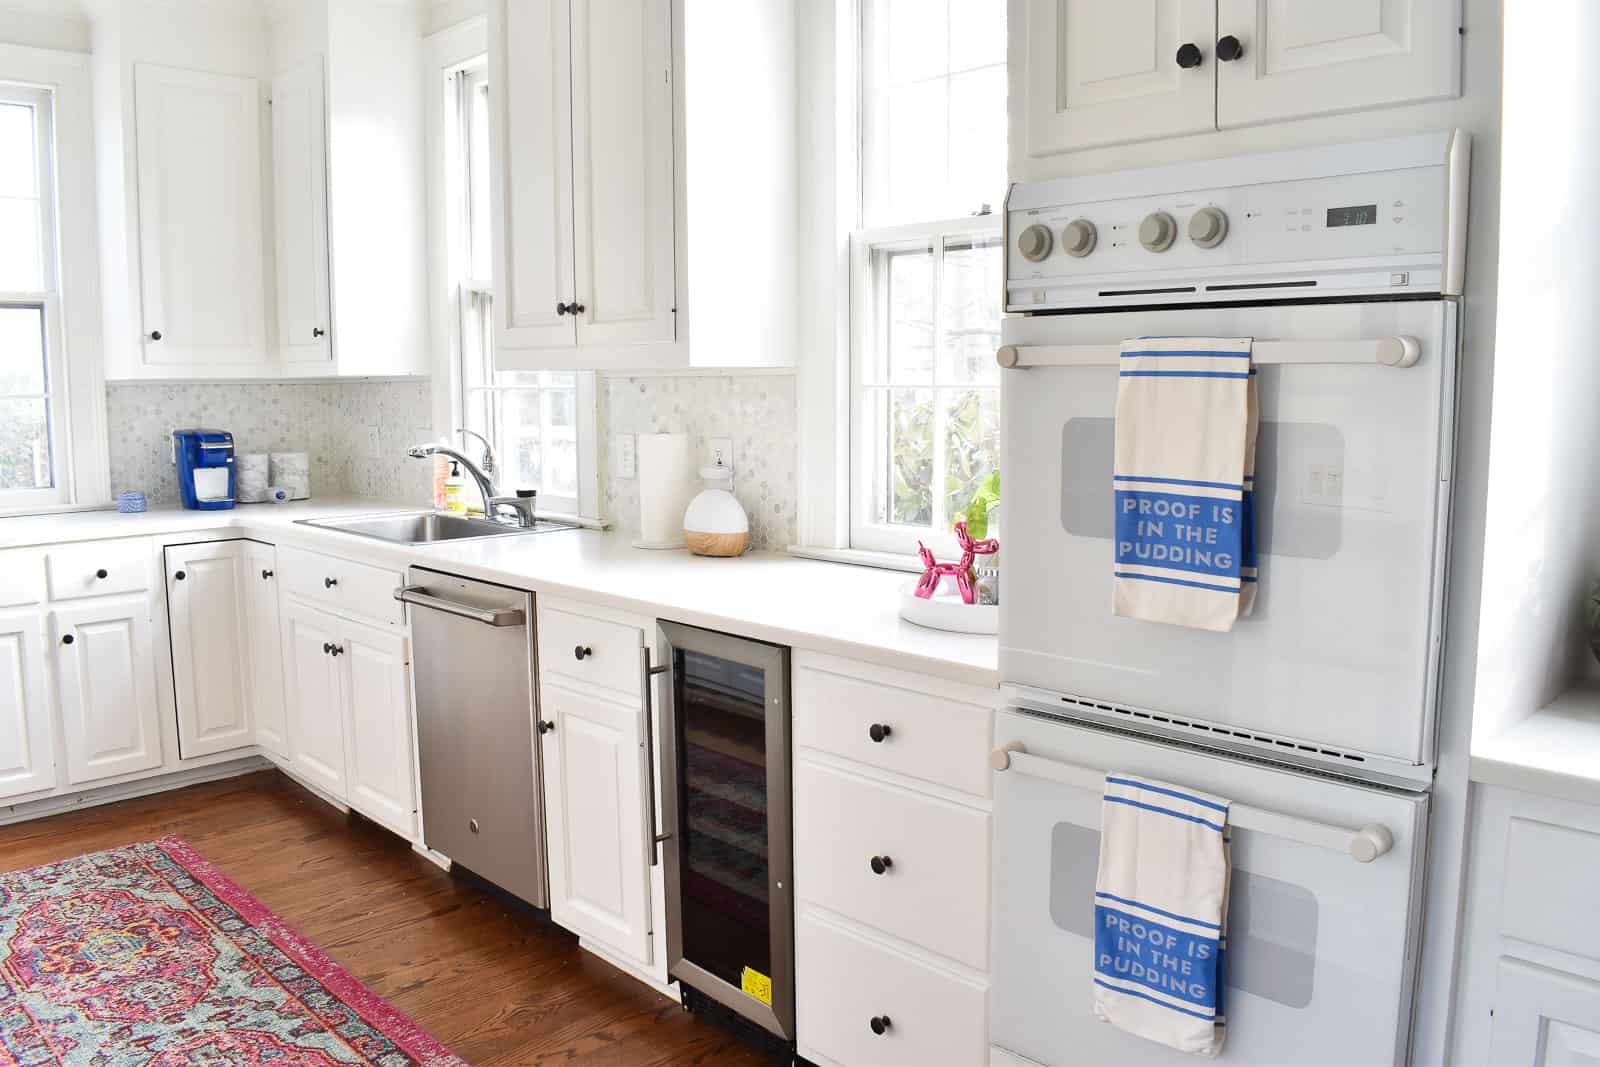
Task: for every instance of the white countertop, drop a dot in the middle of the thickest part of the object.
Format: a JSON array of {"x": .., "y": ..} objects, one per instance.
[
  {"x": 1554, "y": 752},
  {"x": 825, "y": 607}
]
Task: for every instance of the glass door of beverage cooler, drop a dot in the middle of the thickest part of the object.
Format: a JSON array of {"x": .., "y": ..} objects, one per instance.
[{"x": 726, "y": 813}]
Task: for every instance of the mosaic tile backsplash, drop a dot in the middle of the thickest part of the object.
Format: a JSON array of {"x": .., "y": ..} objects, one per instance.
[
  {"x": 328, "y": 420},
  {"x": 331, "y": 421}
]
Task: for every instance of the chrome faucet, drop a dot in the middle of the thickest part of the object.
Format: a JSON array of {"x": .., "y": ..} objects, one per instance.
[{"x": 521, "y": 507}]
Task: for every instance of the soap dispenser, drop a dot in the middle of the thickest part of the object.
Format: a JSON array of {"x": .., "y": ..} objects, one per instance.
[{"x": 716, "y": 524}]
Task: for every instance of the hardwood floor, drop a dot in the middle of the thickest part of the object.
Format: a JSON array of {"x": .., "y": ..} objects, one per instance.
[{"x": 490, "y": 977}]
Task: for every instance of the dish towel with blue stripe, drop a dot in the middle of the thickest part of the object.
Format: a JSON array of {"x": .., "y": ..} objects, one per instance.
[
  {"x": 1160, "y": 913},
  {"x": 1184, "y": 481}
]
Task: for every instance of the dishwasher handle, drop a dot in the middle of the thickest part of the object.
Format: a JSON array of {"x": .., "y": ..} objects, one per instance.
[{"x": 419, "y": 595}]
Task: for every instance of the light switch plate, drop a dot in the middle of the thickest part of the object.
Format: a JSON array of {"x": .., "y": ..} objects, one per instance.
[
  {"x": 723, "y": 445},
  {"x": 370, "y": 438},
  {"x": 625, "y": 457}
]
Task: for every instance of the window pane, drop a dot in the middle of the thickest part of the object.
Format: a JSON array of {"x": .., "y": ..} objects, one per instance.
[
  {"x": 914, "y": 185},
  {"x": 900, "y": 348},
  {"x": 24, "y": 444},
  {"x": 478, "y": 188},
  {"x": 970, "y": 305},
  {"x": 20, "y": 269},
  {"x": 903, "y": 483},
  {"x": 972, "y": 443},
  {"x": 21, "y": 351},
  {"x": 977, "y": 34},
  {"x": 19, "y": 170},
  {"x": 977, "y": 140},
  {"x": 916, "y": 36}
]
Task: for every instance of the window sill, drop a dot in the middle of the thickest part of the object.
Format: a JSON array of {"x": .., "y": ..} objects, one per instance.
[
  {"x": 887, "y": 561},
  {"x": 24, "y": 510}
]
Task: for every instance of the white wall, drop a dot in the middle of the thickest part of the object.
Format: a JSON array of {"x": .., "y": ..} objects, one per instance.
[
  {"x": 1542, "y": 546},
  {"x": 57, "y": 24},
  {"x": 443, "y": 14}
]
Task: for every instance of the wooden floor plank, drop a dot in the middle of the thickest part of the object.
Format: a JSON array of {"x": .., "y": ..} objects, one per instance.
[{"x": 490, "y": 977}]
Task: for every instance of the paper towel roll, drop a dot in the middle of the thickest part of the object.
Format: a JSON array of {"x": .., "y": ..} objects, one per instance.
[{"x": 666, "y": 485}]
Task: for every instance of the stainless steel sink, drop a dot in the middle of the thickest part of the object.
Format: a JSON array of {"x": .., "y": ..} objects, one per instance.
[{"x": 428, "y": 527}]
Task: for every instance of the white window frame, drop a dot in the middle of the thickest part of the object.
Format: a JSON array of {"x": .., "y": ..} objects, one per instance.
[
  {"x": 59, "y": 83},
  {"x": 463, "y": 47}
]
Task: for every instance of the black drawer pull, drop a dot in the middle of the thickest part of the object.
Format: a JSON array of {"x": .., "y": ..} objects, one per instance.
[
  {"x": 102, "y": 573},
  {"x": 265, "y": 575},
  {"x": 880, "y": 1024},
  {"x": 546, "y": 726},
  {"x": 66, "y": 639},
  {"x": 327, "y": 649},
  {"x": 582, "y": 652},
  {"x": 878, "y": 731},
  {"x": 329, "y": 583},
  {"x": 881, "y": 864},
  {"x": 337, "y": 650},
  {"x": 180, "y": 576}
]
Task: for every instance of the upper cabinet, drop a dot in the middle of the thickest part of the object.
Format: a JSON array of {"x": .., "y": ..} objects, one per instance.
[
  {"x": 1096, "y": 73},
  {"x": 261, "y": 180},
  {"x": 640, "y": 177}
]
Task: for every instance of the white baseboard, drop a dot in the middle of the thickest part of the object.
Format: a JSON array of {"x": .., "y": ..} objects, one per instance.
[
  {"x": 90, "y": 798},
  {"x": 338, "y": 805},
  {"x": 438, "y": 859},
  {"x": 632, "y": 967}
]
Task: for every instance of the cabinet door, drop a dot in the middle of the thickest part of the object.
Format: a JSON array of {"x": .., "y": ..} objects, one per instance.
[
  {"x": 1103, "y": 73},
  {"x": 594, "y": 810},
  {"x": 1544, "y": 1018},
  {"x": 312, "y": 681},
  {"x": 208, "y": 597},
  {"x": 300, "y": 185},
  {"x": 26, "y": 761},
  {"x": 531, "y": 190},
  {"x": 200, "y": 238},
  {"x": 1311, "y": 59},
  {"x": 105, "y": 667},
  {"x": 378, "y": 765},
  {"x": 622, "y": 170},
  {"x": 265, "y": 639}
]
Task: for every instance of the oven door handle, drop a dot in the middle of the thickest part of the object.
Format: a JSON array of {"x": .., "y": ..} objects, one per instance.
[
  {"x": 1364, "y": 844},
  {"x": 653, "y": 836}
]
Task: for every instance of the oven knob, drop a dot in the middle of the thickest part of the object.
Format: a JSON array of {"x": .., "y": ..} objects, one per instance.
[
  {"x": 1157, "y": 231},
  {"x": 1208, "y": 226},
  {"x": 1034, "y": 243},
  {"x": 1078, "y": 238}
]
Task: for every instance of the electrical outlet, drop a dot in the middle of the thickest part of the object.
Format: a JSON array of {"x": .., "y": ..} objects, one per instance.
[
  {"x": 373, "y": 448},
  {"x": 722, "y": 446},
  {"x": 625, "y": 457}
]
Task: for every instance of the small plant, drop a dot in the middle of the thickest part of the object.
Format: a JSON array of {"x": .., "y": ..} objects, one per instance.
[{"x": 985, "y": 501}]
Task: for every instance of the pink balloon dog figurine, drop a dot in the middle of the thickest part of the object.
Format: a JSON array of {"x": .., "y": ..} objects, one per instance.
[{"x": 934, "y": 572}]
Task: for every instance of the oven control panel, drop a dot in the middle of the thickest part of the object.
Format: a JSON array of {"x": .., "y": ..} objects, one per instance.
[{"x": 1280, "y": 228}]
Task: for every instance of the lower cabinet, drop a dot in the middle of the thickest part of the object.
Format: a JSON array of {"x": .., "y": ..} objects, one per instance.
[
  {"x": 1544, "y": 1018},
  {"x": 105, "y": 669},
  {"x": 208, "y": 602},
  {"x": 349, "y": 720},
  {"x": 27, "y": 764},
  {"x": 265, "y": 679}
]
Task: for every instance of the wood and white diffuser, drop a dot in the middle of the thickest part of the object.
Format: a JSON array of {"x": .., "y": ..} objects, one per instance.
[{"x": 715, "y": 523}]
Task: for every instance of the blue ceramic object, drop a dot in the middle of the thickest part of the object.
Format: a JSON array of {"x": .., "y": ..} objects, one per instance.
[{"x": 131, "y": 503}]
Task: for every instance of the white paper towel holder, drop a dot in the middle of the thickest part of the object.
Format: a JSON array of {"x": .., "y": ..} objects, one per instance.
[{"x": 666, "y": 485}]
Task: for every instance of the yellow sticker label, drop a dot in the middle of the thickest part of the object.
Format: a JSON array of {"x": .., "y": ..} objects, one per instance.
[{"x": 757, "y": 985}]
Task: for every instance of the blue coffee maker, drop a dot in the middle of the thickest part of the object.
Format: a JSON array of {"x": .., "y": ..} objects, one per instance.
[{"x": 205, "y": 468}]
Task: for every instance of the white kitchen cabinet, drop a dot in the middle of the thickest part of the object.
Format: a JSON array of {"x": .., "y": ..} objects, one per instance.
[
  {"x": 300, "y": 187},
  {"x": 265, "y": 639},
  {"x": 26, "y": 759},
  {"x": 208, "y": 602},
  {"x": 200, "y": 251},
  {"x": 1094, "y": 73},
  {"x": 105, "y": 670},
  {"x": 376, "y": 697},
  {"x": 626, "y": 135},
  {"x": 1304, "y": 59},
  {"x": 594, "y": 781},
  {"x": 1544, "y": 1018},
  {"x": 313, "y": 691},
  {"x": 1100, "y": 73}
]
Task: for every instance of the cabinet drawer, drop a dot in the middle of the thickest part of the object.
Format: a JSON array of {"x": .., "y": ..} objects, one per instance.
[
  {"x": 75, "y": 570},
  {"x": 21, "y": 577},
  {"x": 610, "y": 650},
  {"x": 341, "y": 585},
  {"x": 931, "y": 738},
  {"x": 935, "y": 890},
  {"x": 845, "y": 981}
]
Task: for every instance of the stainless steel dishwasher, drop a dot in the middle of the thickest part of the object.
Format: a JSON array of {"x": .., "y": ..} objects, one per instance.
[{"x": 472, "y": 665}]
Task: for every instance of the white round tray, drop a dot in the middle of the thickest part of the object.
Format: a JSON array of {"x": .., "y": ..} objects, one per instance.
[{"x": 945, "y": 610}]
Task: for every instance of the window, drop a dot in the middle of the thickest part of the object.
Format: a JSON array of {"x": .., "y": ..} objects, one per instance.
[
  {"x": 532, "y": 418},
  {"x": 926, "y": 268},
  {"x": 33, "y": 405}
]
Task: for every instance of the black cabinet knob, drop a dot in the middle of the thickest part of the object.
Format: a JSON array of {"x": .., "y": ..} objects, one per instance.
[
  {"x": 545, "y": 726},
  {"x": 101, "y": 573},
  {"x": 878, "y": 731},
  {"x": 582, "y": 652},
  {"x": 577, "y": 308},
  {"x": 265, "y": 574},
  {"x": 326, "y": 648},
  {"x": 317, "y": 331},
  {"x": 66, "y": 639},
  {"x": 155, "y": 335},
  {"x": 329, "y": 583},
  {"x": 1229, "y": 48},
  {"x": 1189, "y": 56},
  {"x": 181, "y": 575},
  {"x": 563, "y": 308},
  {"x": 337, "y": 650},
  {"x": 880, "y": 1024},
  {"x": 881, "y": 864}
]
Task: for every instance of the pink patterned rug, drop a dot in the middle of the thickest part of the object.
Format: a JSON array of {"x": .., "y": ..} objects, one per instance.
[{"x": 149, "y": 955}]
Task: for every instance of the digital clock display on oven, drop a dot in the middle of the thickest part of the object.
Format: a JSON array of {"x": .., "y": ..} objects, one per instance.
[{"x": 1354, "y": 215}]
